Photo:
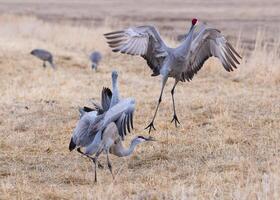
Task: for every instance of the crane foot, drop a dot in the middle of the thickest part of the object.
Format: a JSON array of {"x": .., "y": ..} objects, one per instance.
[
  {"x": 175, "y": 119},
  {"x": 99, "y": 165},
  {"x": 151, "y": 126}
]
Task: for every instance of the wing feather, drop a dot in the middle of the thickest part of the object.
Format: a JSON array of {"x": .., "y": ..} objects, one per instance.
[
  {"x": 207, "y": 43},
  {"x": 142, "y": 40}
]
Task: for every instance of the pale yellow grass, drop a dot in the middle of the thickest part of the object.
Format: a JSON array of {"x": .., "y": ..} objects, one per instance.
[{"x": 227, "y": 146}]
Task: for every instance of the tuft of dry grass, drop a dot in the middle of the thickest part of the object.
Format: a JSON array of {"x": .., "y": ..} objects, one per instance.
[{"x": 227, "y": 146}]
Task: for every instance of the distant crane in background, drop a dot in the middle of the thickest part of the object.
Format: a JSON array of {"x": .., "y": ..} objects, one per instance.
[
  {"x": 43, "y": 55},
  {"x": 182, "y": 62},
  {"x": 95, "y": 58}
]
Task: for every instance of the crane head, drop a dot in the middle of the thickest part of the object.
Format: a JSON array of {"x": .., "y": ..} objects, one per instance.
[
  {"x": 194, "y": 20},
  {"x": 143, "y": 139}
]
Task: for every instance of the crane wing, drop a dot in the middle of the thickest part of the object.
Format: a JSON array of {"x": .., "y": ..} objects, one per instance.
[
  {"x": 121, "y": 114},
  {"x": 125, "y": 124},
  {"x": 207, "y": 43},
  {"x": 81, "y": 135},
  {"x": 106, "y": 96},
  {"x": 142, "y": 40}
]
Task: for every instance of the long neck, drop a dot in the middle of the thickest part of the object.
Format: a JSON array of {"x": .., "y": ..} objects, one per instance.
[
  {"x": 186, "y": 45},
  {"x": 115, "y": 97},
  {"x": 121, "y": 151}
]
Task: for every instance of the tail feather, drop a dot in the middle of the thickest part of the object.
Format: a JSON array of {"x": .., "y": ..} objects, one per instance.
[{"x": 72, "y": 145}]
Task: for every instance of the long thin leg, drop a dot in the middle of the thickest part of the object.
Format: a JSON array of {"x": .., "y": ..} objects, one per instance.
[
  {"x": 109, "y": 164},
  {"x": 95, "y": 172},
  {"x": 93, "y": 159},
  {"x": 175, "y": 118},
  {"x": 44, "y": 64},
  {"x": 151, "y": 125},
  {"x": 51, "y": 63},
  {"x": 95, "y": 164}
]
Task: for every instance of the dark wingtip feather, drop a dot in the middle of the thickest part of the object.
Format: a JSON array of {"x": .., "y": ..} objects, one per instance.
[
  {"x": 107, "y": 91},
  {"x": 115, "y": 41},
  {"x": 112, "y": 33},
  {"x": 233, "y": 50},
  {"x": 112, "y": 37},
  {"x": 124, "y": 126},
  {"x": 87, "y": 109},
  {"x": 131, "y": 120},
  {"x": 72, "y": 145},
  {"x": 127, "y": 123}
]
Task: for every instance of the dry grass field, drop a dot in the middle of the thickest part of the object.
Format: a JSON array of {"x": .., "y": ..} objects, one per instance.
[{"x": 228, "y": 144}]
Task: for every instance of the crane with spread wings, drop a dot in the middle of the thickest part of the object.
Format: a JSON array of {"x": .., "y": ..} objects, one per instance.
[{"x": 180, "y": 63}]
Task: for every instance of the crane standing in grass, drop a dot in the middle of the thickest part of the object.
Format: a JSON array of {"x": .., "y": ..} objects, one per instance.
[
  {"x": 43, "y": 55},
  {"x": 182, "y": 62},
  {"x": 102, "y": 128},
  {"x": 95, "y": 58}
]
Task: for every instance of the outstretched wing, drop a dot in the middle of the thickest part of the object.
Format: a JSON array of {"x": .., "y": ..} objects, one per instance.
[
  {"x": 106, "y": 96},
  {"x": 122, "y": 115},
  {"x": 125, "y": 124},
  {"x": 81, "y": 134},
  {"x": 91, "y": 120},
  {"x": 142, "y": 40},
  {"x": 207, "y": 43}
]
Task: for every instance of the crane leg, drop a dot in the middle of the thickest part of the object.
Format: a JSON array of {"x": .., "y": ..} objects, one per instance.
[
  {"x": 151, "y": 125},
  {"x": 109, "y": 164},
  {"x": 95, "y": 172},
  {"x": 175, "y": 118},
  {"x": 93, "y": 160},
  {"x": 44, "y": 64},
  {"x": 95, "y": 165}
]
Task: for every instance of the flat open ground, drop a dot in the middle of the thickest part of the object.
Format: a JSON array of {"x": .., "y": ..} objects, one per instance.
[{"x": 228, "y": 144}]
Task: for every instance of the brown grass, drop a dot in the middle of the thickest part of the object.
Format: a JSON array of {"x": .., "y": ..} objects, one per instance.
[{"x": 226, "y": 148}]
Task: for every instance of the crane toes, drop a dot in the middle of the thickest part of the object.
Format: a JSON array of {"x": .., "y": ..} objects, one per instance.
[
  {"x": 111, "y": 170},
  {"x": 175, "y": 119},
  {"x": 151, "y": 126},
  {"x": 100, "y": 166}
]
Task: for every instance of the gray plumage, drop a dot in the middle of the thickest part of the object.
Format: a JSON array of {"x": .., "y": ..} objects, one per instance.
[
  {"x": 182, "y": 62},
  {"x": 95, "y": 58},
  {"x": 111, "y": 142},
  {"x": 94, "y": 120},
  {"x": 90, "y": 131},
  {"x": 43, "y": 55}
]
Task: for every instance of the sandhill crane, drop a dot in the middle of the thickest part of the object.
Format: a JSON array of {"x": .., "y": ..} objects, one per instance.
[
  {"x": 43, "y": 55},
  {"x": 93, "y": 120},
  {"x": 182, "y": 62},
  {"x": 95, "y": 57},
  {"x": 89, "y": 130}
]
